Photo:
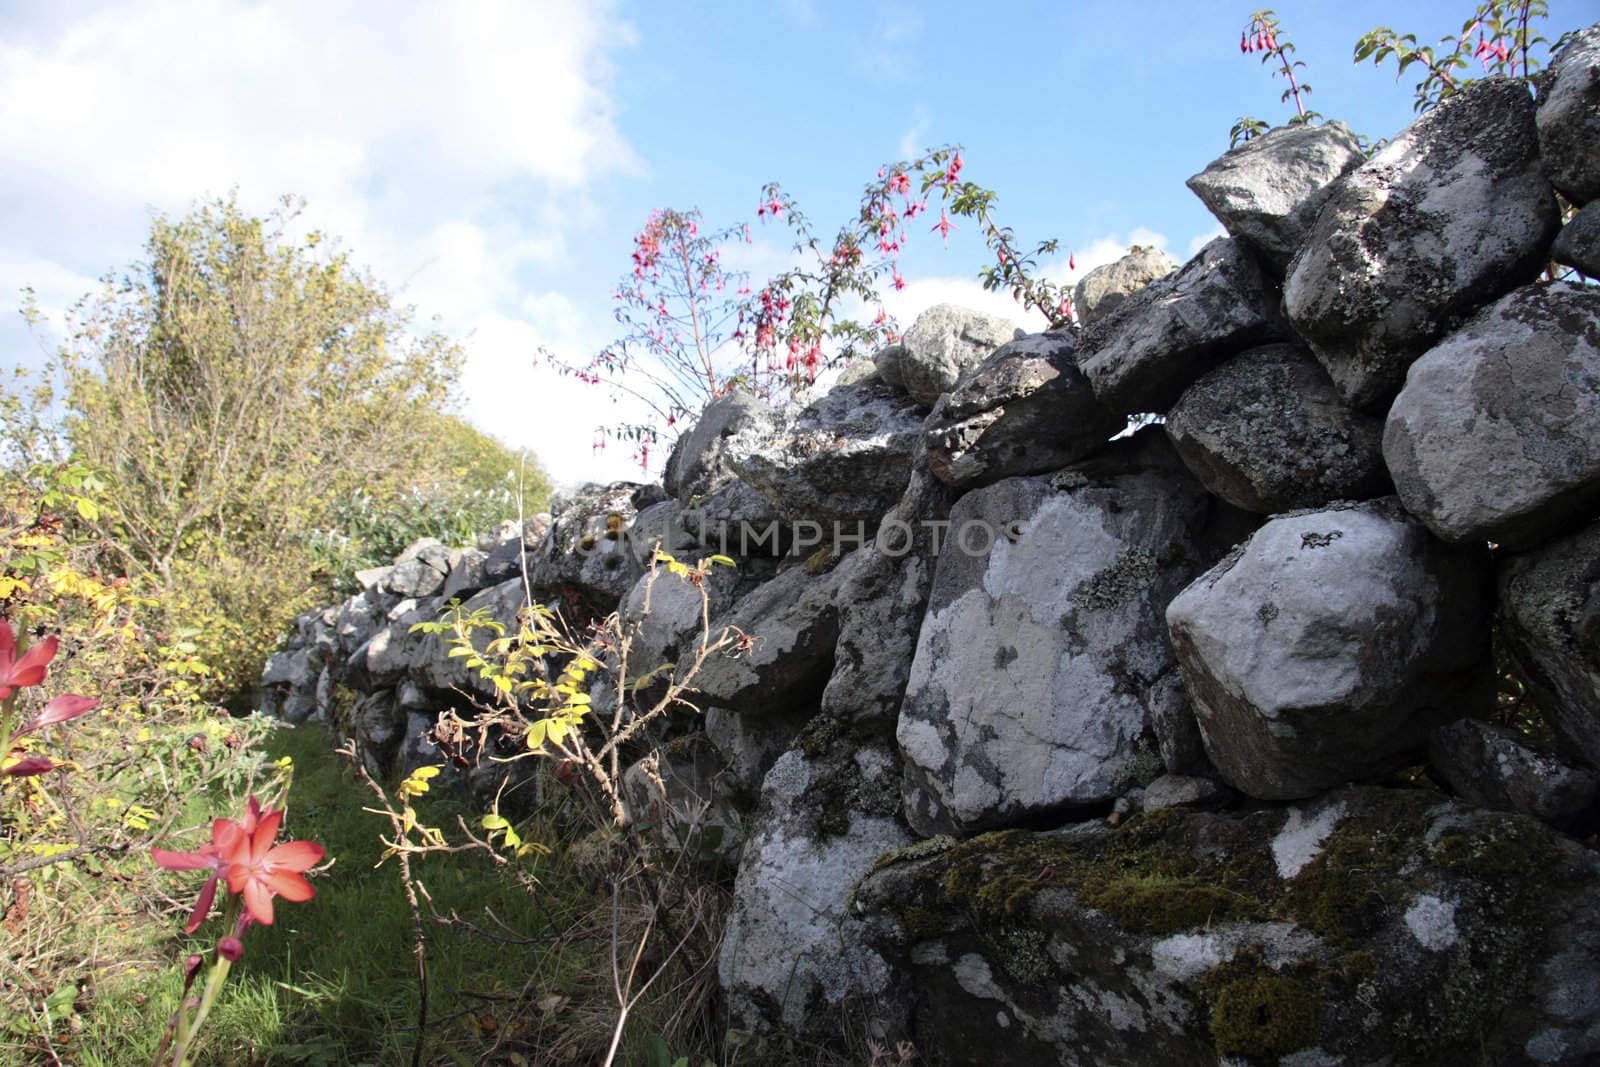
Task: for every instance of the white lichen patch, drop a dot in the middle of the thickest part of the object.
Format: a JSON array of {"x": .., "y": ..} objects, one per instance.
[
  {"x": 1184, "y": 956},
  {"x": 1302, "y": 837},
  {"x": 1432, "y": 921},
  {"x": 973, "y": 975}
]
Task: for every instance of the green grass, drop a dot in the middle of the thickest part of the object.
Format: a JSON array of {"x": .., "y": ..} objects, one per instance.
[{"x": 334, "y": 980}]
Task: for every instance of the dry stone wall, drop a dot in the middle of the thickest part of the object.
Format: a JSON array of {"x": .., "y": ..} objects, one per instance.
[{"x": 1062, "y": 746}]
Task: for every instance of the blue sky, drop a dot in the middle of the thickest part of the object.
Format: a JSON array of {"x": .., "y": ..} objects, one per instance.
[{"x": 491, "y": 161}]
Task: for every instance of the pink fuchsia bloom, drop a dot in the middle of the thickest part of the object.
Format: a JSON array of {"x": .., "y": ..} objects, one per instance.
[
  {"x": 944, "y": 226},
  {"x": 954, "y": 170},
  {"x": 261, "y": 870},
  {"x": 30, "y": 669}
]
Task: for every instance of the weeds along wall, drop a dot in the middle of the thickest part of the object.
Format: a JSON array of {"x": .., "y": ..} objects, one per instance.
[{"x": 1269, "y": 732}]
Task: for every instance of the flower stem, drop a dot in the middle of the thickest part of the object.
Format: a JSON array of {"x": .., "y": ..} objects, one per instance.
[{"x": 187, "y": 1029}]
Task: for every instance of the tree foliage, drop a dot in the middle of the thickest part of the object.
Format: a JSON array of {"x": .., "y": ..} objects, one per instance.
[
  {"x": 237, "y": 382},
  {"x": 232, "y": 394}
]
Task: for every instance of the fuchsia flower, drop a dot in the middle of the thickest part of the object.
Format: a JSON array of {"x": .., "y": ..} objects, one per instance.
[
  {"x": 30, "y": 669},
  {"x": 944, "y": 226}
]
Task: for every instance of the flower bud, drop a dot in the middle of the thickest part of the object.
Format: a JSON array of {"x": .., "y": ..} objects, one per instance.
[{"x": 230, "y": 949}]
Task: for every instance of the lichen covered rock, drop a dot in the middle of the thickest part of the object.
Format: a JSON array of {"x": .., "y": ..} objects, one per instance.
[
  {"x": 1550, "y": 616},
  {"x": 1268, "y": 432},
  {"x": 1025, "y": 410},
  {"x": 1102, "y": 290},
  {"x": 1143, "y": 355},
  {"x": 792, "y": 954},
  {"x": 1373, "y": 926},
  {"x": 1031, "y": 687},
  {"x": 1496, "y": 436},
  {"x": 1569, "y": 118},
  {"x": 1450, "y": 214},
  {"x": 1267, "y": 192},
  {"x": 945, "y": 341},
  {"x": 1324, "y": 649},
  {"x": 843, "y": 458}
]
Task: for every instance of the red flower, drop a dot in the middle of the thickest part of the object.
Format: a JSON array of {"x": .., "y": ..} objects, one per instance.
[
  {"x": 205, "y": 856},
  {"x": 30, "y": 669},
  {"x": 260, "y": 870},
  {"x": 28, "y": 766},
  {"x": 944, "y": 226},
  {"x": 62, "y": 708},
  {"x": 224, "y": 832}
]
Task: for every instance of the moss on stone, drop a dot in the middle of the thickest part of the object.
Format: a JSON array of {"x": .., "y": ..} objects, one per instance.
[
  {"x": 924, "y": 924},
  {"x": 820, "y": 560},
  {"x": 917, "y": 850},
  {"x": 1262, "y": 1015},
  {"x": 819, "y": 735},
  {"x": 1172, "y": 871}
]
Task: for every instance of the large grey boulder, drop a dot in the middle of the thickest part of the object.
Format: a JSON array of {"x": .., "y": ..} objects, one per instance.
[
  {"x": 1373, "y": 926},
  {"x": 1268, "y": 191},
  {"x": 1550, "y": 616},
  {"x": 791, "y": 622},
  {"x": 357, "y": 620},
  {"x": 587, "y": 556},
  {"x": 1029, "y": 695},
  {"x": 1102, "y": 290},
  {"x": 792, "y": 954},
  {"x": 1158, "y": 341},
  {"x": 945, "y": 341},
  {"x": 1578, "y": 243},
  {"x": 1026, "y": 409},
  {"x": 1569, "y": 118},
  {"x": 1268, "y": 432},
  {"x": 1496, "y": 436},
  {"x": 696, "y": 465},
  {"x": 1449, "y": 215},
  {"x": 882, "y": 593},
  {"x": 1496, "y": 767},
  {"x": 466, "y": 575},
  {"x": 1324, "y": 649},
  {"x": 661, "y": 525},
  {"x": 512, "y": 552},
  {"x": 843, "y": 458},
  {"x": 436, "y": 671},
  {"x": 394, "y": 649},
  {"x": 663, "y": 616},
  {"x": 679, "y": 793}
]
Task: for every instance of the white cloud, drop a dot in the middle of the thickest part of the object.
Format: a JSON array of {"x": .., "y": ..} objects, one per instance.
[
  {"x": 451, "y": 147},
  {"x": 914, "y": 140},
  {"x": 922, "y": 294},
  {"x": 1110, "y": 248},
  {"x": 1201, "y": 240}
]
